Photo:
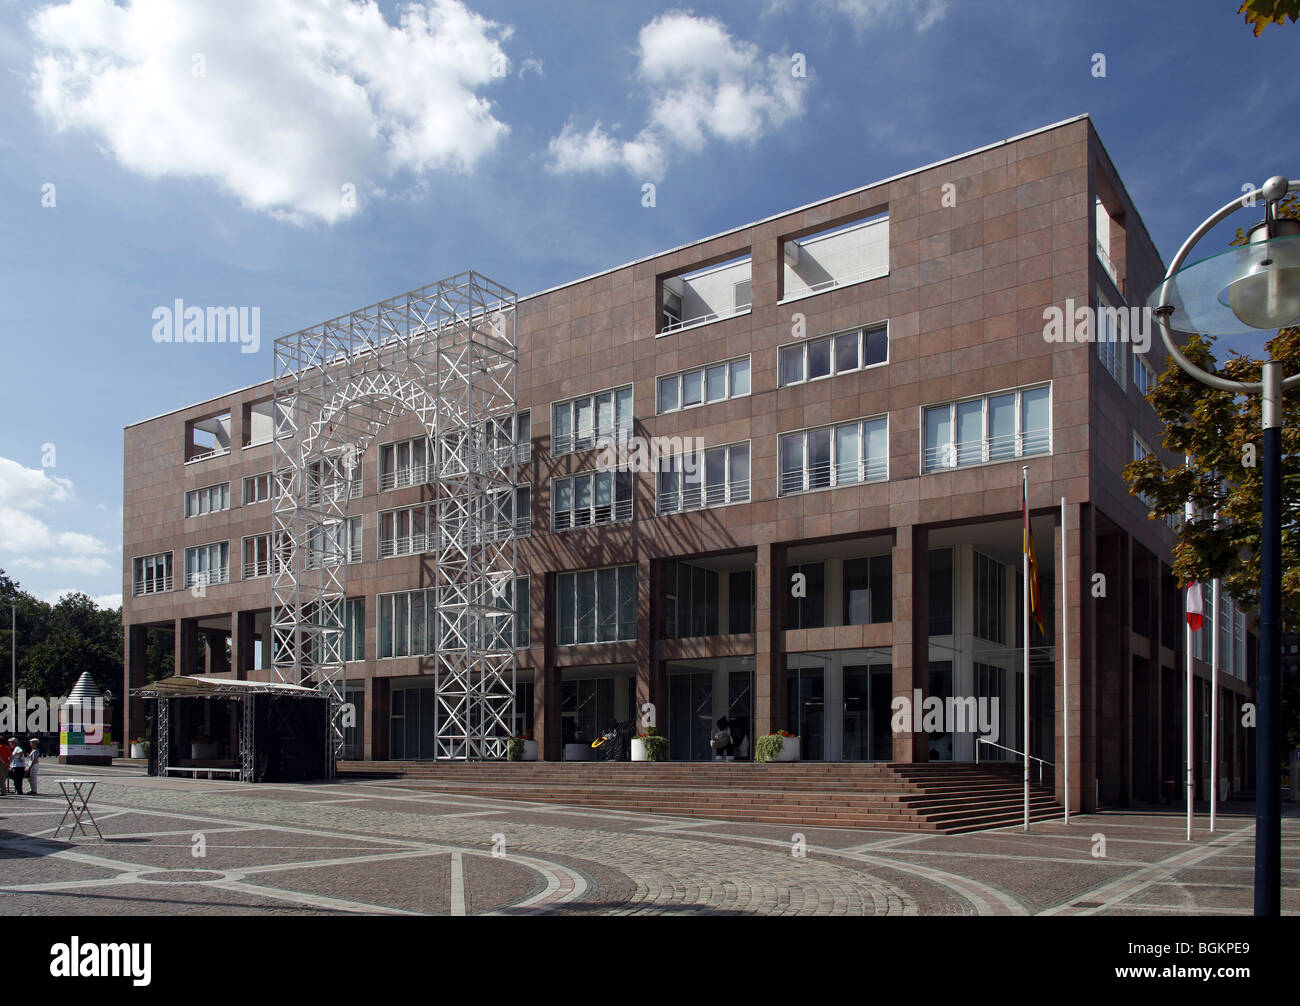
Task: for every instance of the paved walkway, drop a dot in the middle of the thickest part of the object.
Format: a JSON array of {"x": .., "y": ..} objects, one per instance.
[{"x": 174, "y": 846}]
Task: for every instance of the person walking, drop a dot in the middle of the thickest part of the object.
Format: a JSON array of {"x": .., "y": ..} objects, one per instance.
[
  {"x": 33, "y": 763},
  {"x": 5, "y": 752},
  {"x": 17, "y": 765}
]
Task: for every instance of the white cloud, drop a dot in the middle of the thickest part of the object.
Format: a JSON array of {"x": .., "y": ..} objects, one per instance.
[
  {"x": 867, "y": 13},
  {"x": 106, "y": 602},
  {"x": 30, "y": 487},
  {"x": 530, "y": 65},
  {"x": 28, "y": 542},
  {"x": 82, "y": 565},
  {"x": 296, "y": 98},
  {"x": 700, "y": 84}
]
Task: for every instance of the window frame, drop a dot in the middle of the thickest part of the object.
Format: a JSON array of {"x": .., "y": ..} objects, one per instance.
[
  {"x": 573, "y": 441},
  {"x": 831, "y": 339},
  {"x": 679, "y": 379},
  {"x": 953, "y": 448},
  {"x": 784, "y": 487}
]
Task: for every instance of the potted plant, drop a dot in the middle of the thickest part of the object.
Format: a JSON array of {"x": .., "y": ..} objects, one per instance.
[
  {"x": 780, "y": 746},
  {"x": 521, "y": 748},
  {"x": 650, "y": 746},
  {"x": 140, "y": 748}
]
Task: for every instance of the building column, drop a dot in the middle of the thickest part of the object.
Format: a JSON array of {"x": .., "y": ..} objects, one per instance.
[
  {"x": 1068, "y": 672},
  {"x": 911, "y": 645},
  {"x": 651, "y": 678},
  {"x": 546, "y": 682},
  {"x": 378, "y": 709},
  {"x": 134, "y": 666},
  {"x": 243, "y": 639},
  {"x": 771, "y": 594},
  {"x": 185, "y": 642}
]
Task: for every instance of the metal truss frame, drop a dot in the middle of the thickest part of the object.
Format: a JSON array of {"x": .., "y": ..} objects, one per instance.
[
  {"x": 162, "y": 718},
  {"x": 447, "y": 355},
  {"x": 247, "y": 745}
]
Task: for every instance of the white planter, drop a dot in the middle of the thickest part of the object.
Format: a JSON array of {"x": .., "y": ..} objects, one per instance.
[
  {"x": 577, "y": 752},
  {"x": 203, "y": 750},
  {"x": 789, "y": 749},
  {"x": 139, "y": 751},
  {"x": 530, "y": 751},
  {"x": 638, "y": 749}
]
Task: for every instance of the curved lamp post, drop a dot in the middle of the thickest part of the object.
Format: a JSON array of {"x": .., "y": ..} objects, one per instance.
[{"x": 1244, "y": 290}]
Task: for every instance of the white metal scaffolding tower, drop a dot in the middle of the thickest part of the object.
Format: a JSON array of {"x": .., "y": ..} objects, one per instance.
[{"x": 446, "y": 354}]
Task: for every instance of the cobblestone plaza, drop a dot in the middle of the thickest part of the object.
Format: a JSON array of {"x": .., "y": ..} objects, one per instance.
[{"x": 182, "y": 847}]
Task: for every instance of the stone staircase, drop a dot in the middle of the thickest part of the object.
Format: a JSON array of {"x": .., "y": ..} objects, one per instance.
[{"x": 940, "y": 797}]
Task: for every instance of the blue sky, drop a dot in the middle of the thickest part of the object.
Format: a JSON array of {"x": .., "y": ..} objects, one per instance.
[{"x": 199, "y": 151}]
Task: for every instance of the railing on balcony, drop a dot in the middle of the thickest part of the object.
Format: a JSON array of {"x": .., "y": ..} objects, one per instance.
[
  {"x": 585, "y": 440},
  {"x": 806, "y": 290},
  {"x": 988, "y": 449},
  {"x": 825, "y": 475},
  {"x": 216, "y": 452},
  {"x": 332, "y": 490},
  {"x": 1104, "y": 258},
  {"x": 153, "y": 585},
  {"x": 207, "y": 577},
  {"x": 696, "y": 497},
  {"x": 606, "y": 513},
  {"x": 676, "y": 324}
]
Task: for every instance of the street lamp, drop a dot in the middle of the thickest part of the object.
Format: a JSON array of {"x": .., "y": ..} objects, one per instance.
[{"x": 1241, "y": 291}]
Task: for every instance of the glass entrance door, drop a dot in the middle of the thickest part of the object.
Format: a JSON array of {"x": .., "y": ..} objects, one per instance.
[
  {"x": 690, "y": 699},
  {"x": 806, "y": 692},
  {"x": 868, "y": 691}
]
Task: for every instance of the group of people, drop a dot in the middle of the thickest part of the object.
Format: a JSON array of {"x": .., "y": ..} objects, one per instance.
[{"x": 21, "y": 764}]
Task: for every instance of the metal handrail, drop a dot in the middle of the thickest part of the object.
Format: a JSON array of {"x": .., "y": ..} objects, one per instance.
[{"x": 1018, "y": 754}]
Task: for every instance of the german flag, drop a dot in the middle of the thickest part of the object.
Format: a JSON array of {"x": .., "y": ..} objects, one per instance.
[{"x": 1035, "y": 599}]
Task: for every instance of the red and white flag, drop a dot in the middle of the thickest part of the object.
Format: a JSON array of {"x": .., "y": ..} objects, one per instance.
[{"x": 1195, "y": 607}]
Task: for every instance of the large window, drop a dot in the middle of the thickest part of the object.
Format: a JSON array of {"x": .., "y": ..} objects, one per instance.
[
  {"x": 868, "y": 590},
  {"x": 596, "y": 605},
  {"x": 152, "y": 574},
  {"x": 592, "y": 498},
  {"x": 740, "y": 601},
  {"x": 257, "y": 557},
  {"x": 406, "y": 531},
  {"x": 257, "y": 488},
  {"x": 807, "y": 606},
  {"x": 690, "y": 600},
  {"x": 1110, "y": 350},
  {"x": 404, "y": 463},
  {"x": 835, "y": 455},
  {"x": 941, "y": 584},
  {"x": 716, "y": 476},
  {"x": 354, "y": 629},
  {"x": 1144, "y": 377},
  {"x": 210, "y": 499},
  {"x": 704, "y": 385},
  {"x": 407, "y": 623},
  {"x": 1010, "y": 424},
  {"x": 834, "y": 354},
  {"x": 579, "y": 423},
  {"x": 990, "y": 599},
  {"x": 329, "y": 545},
  {"x": 207, "y": 564}
]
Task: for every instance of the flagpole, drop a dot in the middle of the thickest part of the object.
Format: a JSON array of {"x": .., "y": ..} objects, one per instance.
[
  {"x": 1214, "y": 706},
  {"x": 1065, "y": 668},
  {"x": 1024, "y": 561}
]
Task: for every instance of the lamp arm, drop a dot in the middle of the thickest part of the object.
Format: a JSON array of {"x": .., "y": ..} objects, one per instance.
[{"x": 1165, "y": 309}]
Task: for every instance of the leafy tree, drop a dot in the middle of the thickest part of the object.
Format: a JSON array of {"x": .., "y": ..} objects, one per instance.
[
  {"x": 1221, "y": 435},
  {"x": 1262, "y": 13}
]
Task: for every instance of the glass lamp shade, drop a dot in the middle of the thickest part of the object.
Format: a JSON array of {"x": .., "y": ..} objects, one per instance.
[{"x": 1237, "y": 292}]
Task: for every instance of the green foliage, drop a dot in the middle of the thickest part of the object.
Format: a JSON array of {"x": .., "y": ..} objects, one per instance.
[
  {"x": 656, "y": 747},
  {"x": 767, "y": 747},
  {"x": 57, "y": 642},
  {"x": 1262, "y": 13},
  {"x": 515, "y": 749},
  {"x": 1221, "y": 435}
]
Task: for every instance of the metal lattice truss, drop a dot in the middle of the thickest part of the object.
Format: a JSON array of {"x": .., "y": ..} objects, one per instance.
[{"x": 446, "y": 354}]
